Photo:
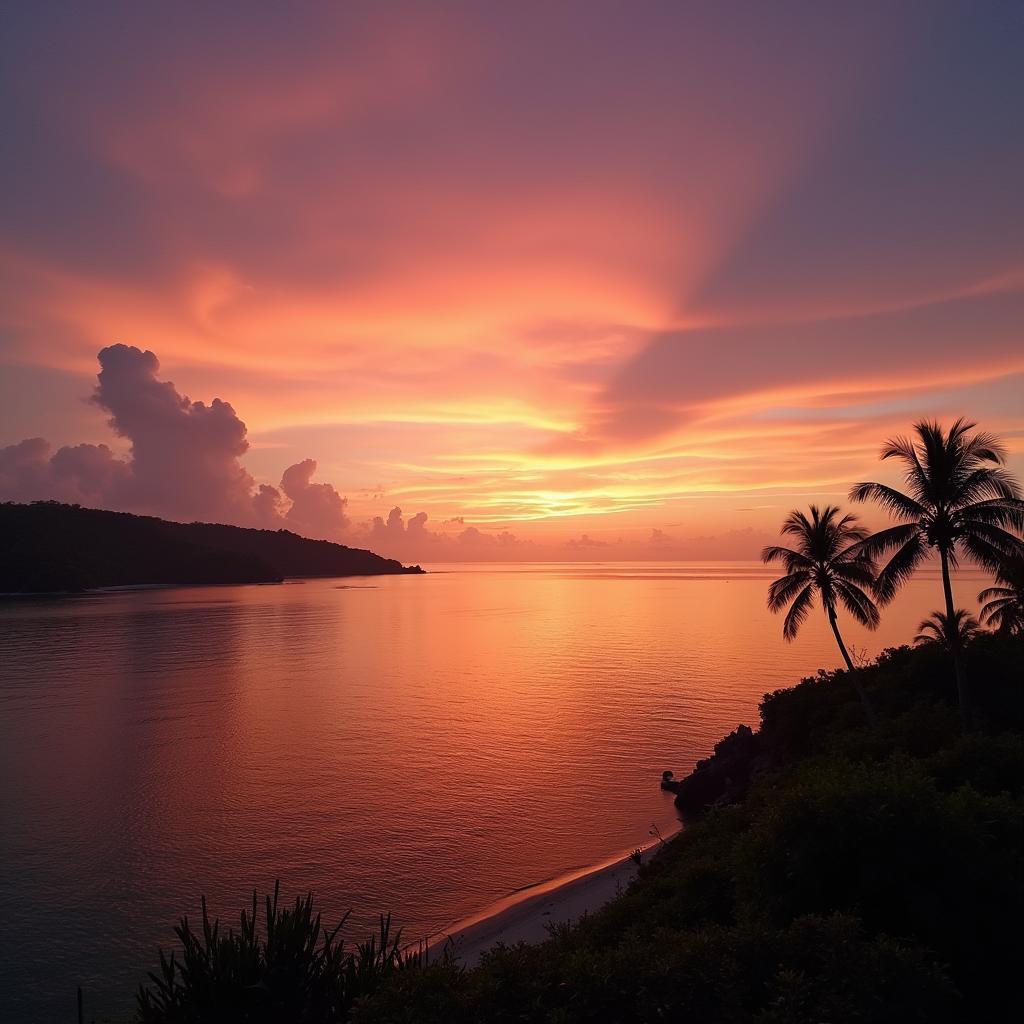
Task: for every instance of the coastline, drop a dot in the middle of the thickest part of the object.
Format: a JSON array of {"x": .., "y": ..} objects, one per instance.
[
  {"x": 526, "y": 915},
  {"x": 128, "y": 588}
]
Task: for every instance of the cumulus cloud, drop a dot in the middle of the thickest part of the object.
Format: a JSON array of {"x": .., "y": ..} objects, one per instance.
[
  {"x": 404, "y": 540},
  {"x": 475, "y": 543},
  {"x": 317, "y": 510},
  {"x": 584, "y": 542},
  {"x": 184, "y": 460},
  {"x": 84, "y": 473},
  {"x": 267, "y": 506},
  {"x": 412, "y": 540},
  {"x": 25, "y": 472}
]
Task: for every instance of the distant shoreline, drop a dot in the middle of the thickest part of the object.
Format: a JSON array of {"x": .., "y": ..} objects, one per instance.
[
  {"x": 527, "y": 914},
  {"x": 128, "y": 588}
]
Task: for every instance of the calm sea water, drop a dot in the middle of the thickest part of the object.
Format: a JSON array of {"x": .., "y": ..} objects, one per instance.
[{"x": 420, "y": 745}]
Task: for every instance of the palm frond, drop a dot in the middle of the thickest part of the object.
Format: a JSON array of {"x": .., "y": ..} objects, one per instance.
[
  {"x": 961, "y": 501},
  {"x": 990, "y": 546},
  {"x": 1003, "y": 608},
  {"x": 858, "y": 571},
  {"x": 1011, "y": 572},
  {"x": 858, "y": 604},
  {"x": 885, "y": 541},
  {"x": 951, "y": 631},
  {"x": 798, "y": 612},
  {"x": 782, "y": 590},
  {"x": 792, "y": 560},
  {"x": 796, "y": 524},
  {"x": 903, "y": 564},
  {"x": 896, "y": 502},
  {"x": 987, "y": 482},
  {"x": 985, "y": 447},
  {"x": 1005, "y": 512},
  {"x": 906, "y": 450}
]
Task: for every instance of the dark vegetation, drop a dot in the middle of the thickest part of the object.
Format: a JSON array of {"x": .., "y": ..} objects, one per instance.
[
  {"x": 292, "y": 970},
  {"x": 960, "y": 502},
  {"x": 47, "y": 546}
]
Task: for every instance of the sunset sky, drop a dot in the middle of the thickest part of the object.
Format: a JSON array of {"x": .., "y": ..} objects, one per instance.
[{"x": 599, "y": 280}]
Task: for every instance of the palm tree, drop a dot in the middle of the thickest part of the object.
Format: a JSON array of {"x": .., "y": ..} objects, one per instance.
[
  {"x": 961, "y": 502},
  {"x": 950, "y": 632},
  {"x": 1003, "y": 606},
  {"x": 829, "y": 561}
]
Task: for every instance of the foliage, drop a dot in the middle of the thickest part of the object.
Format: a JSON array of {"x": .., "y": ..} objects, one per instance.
[
  {"x": 1003, "y": 605},
  {"x": 812, "y": 970},
  {"x": 991, "y": 765},
  {"x": 884, "y": 843},
  {"x": 295, "y": 970},
  {"x": 915, "y": 694},
  {"x": 952, "y": 631},
  {"x": 828, "y": 560},
  {"x": 961, "y": 501}
]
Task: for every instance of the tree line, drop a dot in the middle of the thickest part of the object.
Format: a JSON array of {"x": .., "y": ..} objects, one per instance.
[{"x": 960, "y": 502}]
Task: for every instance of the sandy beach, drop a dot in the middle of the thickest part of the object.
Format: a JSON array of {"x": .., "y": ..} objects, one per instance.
[{"x": 527, "y": 915}]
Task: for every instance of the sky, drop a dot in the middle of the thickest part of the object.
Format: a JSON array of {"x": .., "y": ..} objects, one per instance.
[{"x": 517, "y": 281}]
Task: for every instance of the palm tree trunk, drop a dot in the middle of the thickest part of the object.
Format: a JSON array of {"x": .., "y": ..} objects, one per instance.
[
  {"x": 854, "y": 673},
  {"x": 947, "y": 586},
  {"x": 963, "y": 691}
]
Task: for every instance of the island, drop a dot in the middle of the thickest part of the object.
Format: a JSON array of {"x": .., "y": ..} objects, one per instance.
[{"x": 47, "y": 546}]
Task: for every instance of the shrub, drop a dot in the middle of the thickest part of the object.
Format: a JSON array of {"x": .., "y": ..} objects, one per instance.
[
  {"x": 817, "y": 969},
  {"x": 883, "y": 843},
  {"x": 989, "y": 764},
  {"x": 295, "y": 971}
]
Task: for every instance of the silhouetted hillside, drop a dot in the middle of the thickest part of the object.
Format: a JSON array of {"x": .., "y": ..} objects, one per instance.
[{"x": 48, "y": 546}]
